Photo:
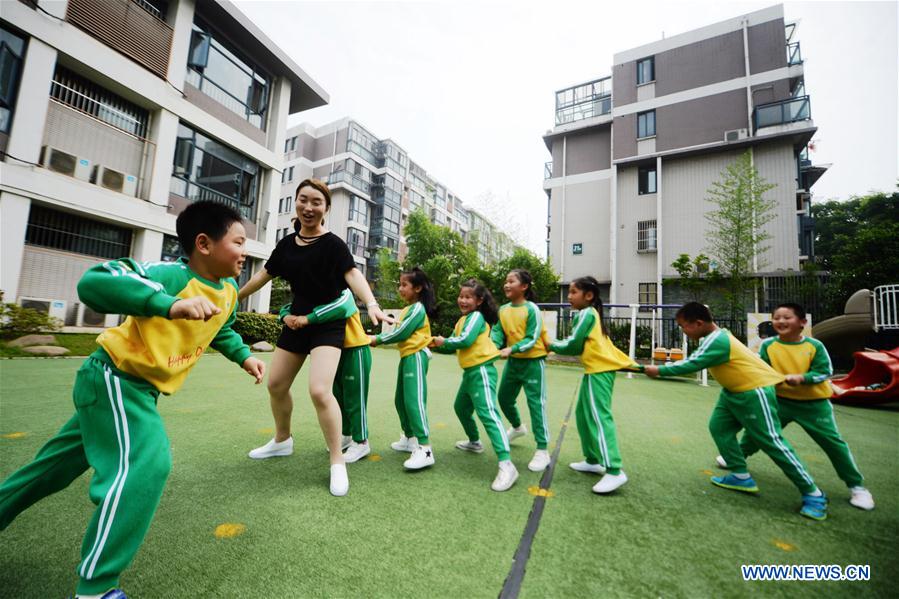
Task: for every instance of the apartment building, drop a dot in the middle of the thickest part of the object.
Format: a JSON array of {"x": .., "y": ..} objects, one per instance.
[
  {"x": 115, "y": 116},
  {"x": 375, "y": 185},
  {"x": 634, "y": 152}
]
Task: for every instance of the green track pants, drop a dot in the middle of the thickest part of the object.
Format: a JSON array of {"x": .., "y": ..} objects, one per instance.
[
  {"x": 477, "y": 393},
  {"x": 351, "y": 391},
  {"x": 411, "y": 398},
  {"x": 756, "y": 412},
  {"x": 529, "y": 373},
  {"x": 816, "y": 418},
  {"x": 117, "y": 431},
  {"x": 595, "y": 424}
]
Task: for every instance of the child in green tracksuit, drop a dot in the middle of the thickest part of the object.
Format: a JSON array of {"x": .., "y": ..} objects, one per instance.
[
  {"x": 746, "y": 401},
  {"x": 476, "y": 353},
  {"x": 353, "y": 370},
  {"x": 175, "y": 311},
  {"x": 413, "y": 333},
  {"x": 804, "y": 396},
  {"x": 601, "y": 359},
  {"x": 520, "y": 335}
]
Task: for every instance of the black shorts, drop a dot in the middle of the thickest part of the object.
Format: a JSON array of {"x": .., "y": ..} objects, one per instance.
[{"x": 303, "y": 341}]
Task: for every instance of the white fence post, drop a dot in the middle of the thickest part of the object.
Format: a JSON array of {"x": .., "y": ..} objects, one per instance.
[{"x": 632, "y": 350}]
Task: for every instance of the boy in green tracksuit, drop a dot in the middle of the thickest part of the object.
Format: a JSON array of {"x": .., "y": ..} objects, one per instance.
[
  {"x": 477, "y": 393},
  {"x": 804, "y": 396},
  {"x": 175, "y": 311},
  {"x": 353, "y": 370},
  {"x": 746, "y": 401}
]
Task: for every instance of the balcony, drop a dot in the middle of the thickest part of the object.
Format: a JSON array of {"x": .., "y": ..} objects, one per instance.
[
  {"x": 794, "y": 54},
  {"x": 584, "y": 101},
  {"x": 548, "y": 170},
  {"x": 195, "y": 193},
  {"x": 347, "y": 178},
  {"x": 128, "y": 27},
  {"x": 783, "y": 112}
]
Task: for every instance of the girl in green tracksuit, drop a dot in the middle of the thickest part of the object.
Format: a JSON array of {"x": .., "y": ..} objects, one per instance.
[
  {"x": 413, "y": 334},
  {"x": 601, "y": 359},
  {"x": 477, "y": 393},
  {"x": 353, "y": 371},
  {"x": 520, "y": 335}
]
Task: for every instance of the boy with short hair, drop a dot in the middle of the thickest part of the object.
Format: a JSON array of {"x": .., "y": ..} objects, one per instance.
[
  {"x": 804, "y": 396},
  {"x": 175, "y": 310},
  {"x": 747, "y": 401}
]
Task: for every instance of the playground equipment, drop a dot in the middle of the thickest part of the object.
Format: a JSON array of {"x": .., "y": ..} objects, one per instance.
[
  {"x": 873, "y": 380},
  {"x": 866, "y": 312}
]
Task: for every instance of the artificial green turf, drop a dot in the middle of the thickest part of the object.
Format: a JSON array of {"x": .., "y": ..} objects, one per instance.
[
  {"x": 442, "y": 532},
  {"x": 78, "y": 344}
]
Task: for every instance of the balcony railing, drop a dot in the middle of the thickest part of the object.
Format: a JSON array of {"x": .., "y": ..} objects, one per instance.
[
  {"x": 794, "y": 55},
  {"x": 350, "y": 179},
  {"x": 584, "y": 101},
  {"x": 548, "y": 170},
  {"x": 780, "y": 113},
  {"x": 195, "y": 193}
]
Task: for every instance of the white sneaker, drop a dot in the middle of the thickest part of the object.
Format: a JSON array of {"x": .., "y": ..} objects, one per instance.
[
  {"x": 540, "y": 461},
  {"x": 345, "y": 441},
  {"x": 585, "y": 467},
  {"x": 340, "y": 482},
  {"x": 721, "y": 463},
  {"x": 356, "y": 451},
  {"x": 472, "y": 446},
  {"x": 405, "y": 443},
  {"x": 273, "y": 449},
  {"x": 862, "y": 498},
  {"x": 505, "y": 477},
  {"x": 422, "y": 457},
  {"x": 514, "y": 433},
  {"x": 609, "y": 483}
]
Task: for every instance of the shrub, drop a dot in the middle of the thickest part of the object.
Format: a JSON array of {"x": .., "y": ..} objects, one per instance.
[
  {"x": 253, "y": 327},
  {"x": 620, "y": 334},
  {"x": 16, "y": 320}
]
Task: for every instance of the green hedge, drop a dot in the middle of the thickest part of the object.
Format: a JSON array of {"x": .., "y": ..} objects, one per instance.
[{"x": 253, "y": 327}]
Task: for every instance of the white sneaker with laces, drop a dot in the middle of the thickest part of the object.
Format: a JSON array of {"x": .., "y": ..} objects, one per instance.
[
  {"x": 405, "y": 443},
  {"x": 540, "y": 461},
  {"x": 472, "y": 446},
  {"x": 273, "y": 449},
  {"x": 721, "y": 463},
  {"x": 609, "y": 483},
  {"x": 585, "y": 467},
  {"x": 505, "y": 477},
  {"x": 862, "y": 498},
  {"x": 515, "y": 432},
  {"x": 340, "y": 482},
  {"x": 422, "y": 457},
  {"x": 356, "y": 451}
]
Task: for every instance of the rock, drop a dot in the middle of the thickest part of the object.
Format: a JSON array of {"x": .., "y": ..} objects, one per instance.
[
  {"x": 46, "y": 350},
  {"x": 262, "y": 346},
  {"x": 33, "y": 340}
]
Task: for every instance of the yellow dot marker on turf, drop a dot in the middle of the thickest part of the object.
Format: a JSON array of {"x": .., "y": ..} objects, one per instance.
[
  {"x": 540, "y": 492},
  {"x": 229, "y": 530},
  {"x": 14, "y": 435},
  {"x": 440, "y": 425},
  {"x": 374, "y": 458},
  {"x": 676, "y": 439},
  {"x": 709, "y": 472},
  {"x": 784, "y": 545},
  {"x": 266, "y": 431}
]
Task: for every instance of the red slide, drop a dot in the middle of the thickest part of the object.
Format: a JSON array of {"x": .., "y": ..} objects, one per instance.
[{"x": 879, "y": 370}]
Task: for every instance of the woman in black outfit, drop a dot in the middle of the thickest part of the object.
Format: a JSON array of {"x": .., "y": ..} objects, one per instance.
[{"x": 318, "y": 265}]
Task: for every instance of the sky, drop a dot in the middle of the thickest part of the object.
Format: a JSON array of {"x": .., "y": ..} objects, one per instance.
[{"x": 467, "y": 88}]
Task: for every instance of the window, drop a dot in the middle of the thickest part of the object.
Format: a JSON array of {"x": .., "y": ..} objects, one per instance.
[
  {"x": 646, "y": 236},
  {"x": 223, "y": 74},
  {"x": 646, "y": 179},
  {"x": 646, "y": 293},
  {"x": 287, "y": 175},
  {"x": 646, "y": 70},
  {"x": 205, "y": 169},
  {"x": 171, "y": 248},
  {"x": 285, "y": 205},
  {"x": 290, "y": 144},
  {"x": 355, "y": 240},
  {"x": 646, "y": 124},
  {"x": 358, "y": 210},
  {"x": 70, "y": 233},
  {"x": 12, "y": 51},
  {"x": 86, "y": 96}
]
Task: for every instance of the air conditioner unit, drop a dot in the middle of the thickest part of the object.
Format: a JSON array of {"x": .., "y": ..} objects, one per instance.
[
  {"x": 50, "y": 307},
  {"x": 90, "y": 318},
  {"x": 63, "y": 162},
  {"x": 114, "y": 180},
  {"x": 735, "y": 135}
]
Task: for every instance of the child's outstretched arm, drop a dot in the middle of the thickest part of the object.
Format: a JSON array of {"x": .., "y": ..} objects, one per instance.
[
  {"x": 474, "y": 324},
  {"x": 498, "y": 335},
  {"x": 340, "y": 309},
  {"x": 124, "y": 287},
  {"x": 231, "y": 345},
  {"x": 819, "y": 370},
  {"x": 415, "y": 317},
  {"x": 714, "y": 350},
  {"x": 573, "y": 345}
]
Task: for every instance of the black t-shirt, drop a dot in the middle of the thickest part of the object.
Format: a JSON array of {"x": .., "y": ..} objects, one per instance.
[{"x": 315, "y": 272}]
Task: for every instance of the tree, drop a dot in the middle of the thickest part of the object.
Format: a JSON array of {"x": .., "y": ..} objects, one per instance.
[
  {"x": 695, "y": 276},
  {"x": 545, "y": 280},
  {"x": 737, "y": 235},
  {"x": 387, "y": 279},
  {"x": 858, "y": 242}
]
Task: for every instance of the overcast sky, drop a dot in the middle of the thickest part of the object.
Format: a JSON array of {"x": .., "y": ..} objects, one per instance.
[{"x": 467, "y": 88}]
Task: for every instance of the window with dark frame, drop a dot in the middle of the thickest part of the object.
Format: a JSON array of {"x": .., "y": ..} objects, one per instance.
[
  {"x": 646, "y": 124},
  {"x": 646, "y": 70},
  {"x": 646, "y": 236},
  {"x": 647, "y": 293},
  {"x": 646, "y": 180}
]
